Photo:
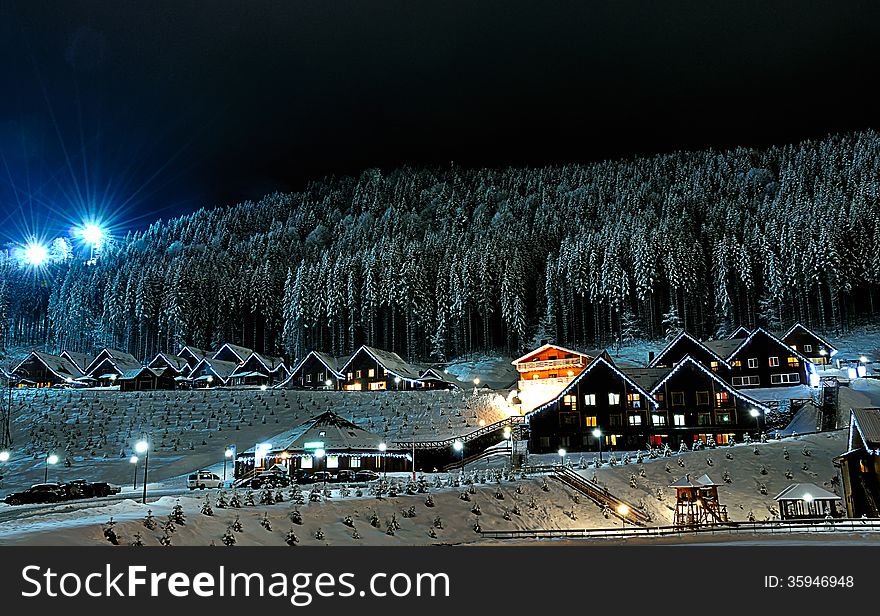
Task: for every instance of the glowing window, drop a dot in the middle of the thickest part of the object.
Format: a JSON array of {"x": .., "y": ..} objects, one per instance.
[
  {"x": 678, "y": 419},
  {"x": 305, "y": 462},
  {"x": 590, "y": 399},
  {"x": 332, "y": 461},
  {"x": 613, "y": 399}
]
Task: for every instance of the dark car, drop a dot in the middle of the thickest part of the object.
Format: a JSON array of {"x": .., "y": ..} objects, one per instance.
[
  {"x": 366, "y": 475},
  {"x": 78, "y": 488},
  {"x": 322, "y": 476},
  {"x": 269, "y": 480},
  {"x": 344, "y": 476},
  {"x": 40, "y": 493},
  {"x": 102, "y": 488},
  {"x": 303, "y": 476}
]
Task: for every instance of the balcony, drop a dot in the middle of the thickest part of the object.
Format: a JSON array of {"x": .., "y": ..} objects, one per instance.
[
  {"x": 533, "y": 383},
  {"x": 550, "y": 364}
]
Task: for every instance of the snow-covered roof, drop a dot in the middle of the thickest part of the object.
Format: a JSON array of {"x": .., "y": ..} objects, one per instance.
[
  {"x": 335, "y": 432},
  {"x": 195, "y": 353},
  {"x": 173, "y": 361},
  {"x": 744, "y": 343},
  {"x": 270, "y": 363},
  {"x": 544, "y": 347},
  {"x": 120, "y": 360},
  {"x": 704, "y": 481},
  {"x": 242, "y": 353},
  {"x": 832, "y": 350},
  {"x": 59, "y": 366},
  {"x": 80, "y": 360},
  {"x": 739, "y": 333},
  {"x": 391, "y": 361},
  {"x": 865, "y": 422},
  {"x": 130, "y": 375},
  {"x": 646, "y": 377},
  {"x": 437, "y": 374},
  {"x": 723, "y": 348},
  {"x": 684, "y": 334},
  {"x": 219, "y": 368},
  {"x": 805, "y": 492}
]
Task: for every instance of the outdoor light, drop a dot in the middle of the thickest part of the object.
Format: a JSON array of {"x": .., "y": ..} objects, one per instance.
[
  {"x": 263, "y": 387},
  {"x": 142, "y": 446},
  {"x": 458, "y": 445},
  {"x": 623, "y": 509},
  {"x": 755, "y": 413},
  {"x": 477, "y": 381},
  {"x": 53, "y": 459},
  {"x": 808, "y": 497},
  {"x": 328, "y": 383},
  {"x": 506, "y": 432},
  {"x": 863, "y": 359},
  {"x": 597, "y": 433},
  {"x": 92, "y": 234},
  {"x": 397, "y": 380},
  {"x": 112, "y": 377},
  {"x": 35, "y": 254},
  {"x": 4, "y": 456},
  {"x": 133, "y": 459},
  {"x": 319, "y": 453},
  {"x": 383, "y": 447},
  {"x": 228, "y": 453}
]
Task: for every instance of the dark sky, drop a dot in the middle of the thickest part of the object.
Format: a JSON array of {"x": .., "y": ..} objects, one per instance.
[{"x": 140, "y": 110}]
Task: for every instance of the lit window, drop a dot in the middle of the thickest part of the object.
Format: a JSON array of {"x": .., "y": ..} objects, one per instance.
[
  {"x": 774, "y": 361},
  {"x": 808, "y": 348},
  {"x": 721, "y": 398},
  {"x": 678, "y": 419},
  {"x": 570, "y": 401},
  {"x": 350, "y": 376},
  {"x": 590, "y": 399},
  {"x": 737, "y": 363},
  {"x": 723, "y": 418},
  {"x": 357, "y": 374},
  {"x": 677, "y": 398},
  {"x": 332, "y": 461},
  {"x": 753, "y": 362},
  {"x": 306, "y": 462},
  {"x": 591, "y": 421},
  {"x": 634, "y": 400},
  {"x": 659, "y": 397},
  {"x": 308, "y": 378},
  {"x": 371, "y": 373},
  {"x": 793, "y": 362},
  {"x": 613, "y": 399},
  {"x": 714, "y": 365},
  {"x": 658, "y": 419},
  {"x": 635, "y": 420},
  {"x": 354, "y": 462}
]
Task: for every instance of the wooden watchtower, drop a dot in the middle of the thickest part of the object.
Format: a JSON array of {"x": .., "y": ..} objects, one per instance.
[{"x": 696, "y": 503}]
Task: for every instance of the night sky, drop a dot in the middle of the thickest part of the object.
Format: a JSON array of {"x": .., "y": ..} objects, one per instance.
[{"x": 131, "y": 111}]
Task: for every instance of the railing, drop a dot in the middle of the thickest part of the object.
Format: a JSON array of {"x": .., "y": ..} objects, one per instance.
[
  {"x": 561, "y": 380},
  {"x": 488, "y": 453},
  {"x": 846, "y": 525},
  {"x": 547, "y": 364},
  {"x": 464, "y": 438},
  {"x": 601, "y": 496}
]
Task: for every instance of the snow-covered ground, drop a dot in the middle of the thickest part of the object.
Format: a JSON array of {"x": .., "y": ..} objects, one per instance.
[{"x": 539, "y": 503}]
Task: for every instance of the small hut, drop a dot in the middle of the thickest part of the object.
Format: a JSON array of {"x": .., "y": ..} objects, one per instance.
[
  {"x": 803, "y": 501},
  {"x": 696, "y": 503}
]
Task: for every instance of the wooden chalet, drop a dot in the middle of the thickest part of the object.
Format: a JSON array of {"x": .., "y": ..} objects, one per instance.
[
  {"x": 437, "y": 378},
  {"x": 146, "y": 379},
  {"x": 372, "y": 369},
  {"x": 192, "y": 355},
  {"x": 806, "y": 501},
  {"x": 602, "y": 396},
  {"x": 316, "y": 370},
  {"x": 739, "y": 333},
  {"x": 212, "y": 373},
  {"x": 178, "y": 366},
  {"x": 110, "y": 364},
  {"x": 685, "y": 345},
  {"x": 233, "y": 353},
  {"x": 763, "y": 360},
  {"x": 546, "y": 371},
  {"x": 259, "y": 369},
  {"x": 80, "y": 360},
  {"x": 860, "y": 464},
  {"x": 325, "y": 442},
  {"x": 696, "y": 404},
  {"x": 46, "y": 370},
  {"x": 810, "y": 344}
]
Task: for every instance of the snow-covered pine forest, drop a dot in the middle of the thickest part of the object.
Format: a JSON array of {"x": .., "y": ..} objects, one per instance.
[{"x": 435, "y": 263}]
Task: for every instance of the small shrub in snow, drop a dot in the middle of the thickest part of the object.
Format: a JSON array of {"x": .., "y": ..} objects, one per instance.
[
  {"x": 165, "y": 540},
  {"x": 236, "y": 525},
  {"x": 177, "y": 516},
  {"x": 249, "y": 499},
  {"x": 228, "y": 537},
  {"x": 429, "y": 501},
  {"x": 235, "y": 501},
  {"x": 206, "y": 507},
  {"x": 291, "y": 539},
  {"x": 319, "y": 534},
  {"x": 265, "y": 522},
  {"x": 138, "y": 541},
  {"x": 348, "y": 521},
  {"x": 296, "y": 517},
  {"x": 438, "y": 523},
  {"x": 149, "y": 521}
]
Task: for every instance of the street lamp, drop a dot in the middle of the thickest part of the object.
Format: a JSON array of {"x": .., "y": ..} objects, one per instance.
[
  {"x": 507, "y": 433},
  {"x": 143, "y": 447},
  {"x": 35, "y": 254},
  {"x": 757, "y": 415},
  {"x": 597, "y": 433},
  {"x": 264, "y": 387},
  {"x": 458, "y": 446},
  {"x": 561, "y": 453},
  {"x": 134, "y": 462},
  {"x": 226, "y": 456},
  {"x": 383, "y": 448},
  {"x": 50, "y": 459},
  {"x": 823, "y": 353},
  {"x": 319, "y": 453},
  {"x": 4, "y": 456}
]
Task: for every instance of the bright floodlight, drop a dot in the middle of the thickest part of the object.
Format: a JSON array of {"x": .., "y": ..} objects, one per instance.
[
  {"x": 597, "y": 433},
  {"x": 92, "y": 234},
  {"x": 823, "y": 352},
  {"x": 133, "y": 459},
  {"x": 383, "y": 447},
  {"x": 754, "y": 412},
  {"x": 561, "y": 452},
  {"x": 458, "y": 445},
  {"x": 808, "y": 497},
  {"x": 4, "y": 456},
  {"x": 35, "y": 254},
  {"x": 506, "y": 431},
  {"x": 477, "y": 381},
  {"x": 328, "y": 383},
  {"x": 397, "y": 379},
  {"x": 863, "y": 359},
  {"x": 228, "y": 452},
  {"x": 53, "y": 459},
  {"x": 264, "y": 387},
  {"x": 141, "y": 446},
  {"x": 319, "y": 453},
  {"x": 623, "y": 509}
]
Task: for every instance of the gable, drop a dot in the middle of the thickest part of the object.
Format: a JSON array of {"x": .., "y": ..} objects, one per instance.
[
  {"x": 686, "y": 345},
  {"x": 548, "y": 352},
  {"x": 763, "y": 337},
  {"x": 689, "y": 366}
]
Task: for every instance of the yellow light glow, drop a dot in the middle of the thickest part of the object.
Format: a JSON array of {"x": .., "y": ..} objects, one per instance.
[{"x": 623, "y": 509}]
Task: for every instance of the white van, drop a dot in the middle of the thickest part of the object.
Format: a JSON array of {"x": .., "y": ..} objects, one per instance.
[{"x": 202, "y": 480}]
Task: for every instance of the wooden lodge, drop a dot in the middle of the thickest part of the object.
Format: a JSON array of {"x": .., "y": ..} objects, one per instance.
[
  {"x": 80, "y": 360},
  {"x": 46, "y": 370},
  {"x": 212, "y": 373},
  {"x": 372, "y": 369},
  {"x": 192, "y": 355},
  {"x": 260, "y": 369},
  {"x": 685, "y": 345},
  {"x": 635, "y": 407},
  {"x": 545, "y": 372},
  {"x": 860, "y": 464},
  {"x": 316, "y": 370},
  {"x": 146, "y": 379},
  {"x": 110, "y": 364},
  {"x": 178, "y": 366},
  {"x": 696, "y": 503},
  {"x": 810, "y": 344},
  {"x": 326, "y": 442},
  {"x": 805, "y": 501}
]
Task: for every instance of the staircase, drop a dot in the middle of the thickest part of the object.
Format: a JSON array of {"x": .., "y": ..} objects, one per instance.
[
  {"x": 601, "y": 496},
  {"x": 483, "y": 455}
]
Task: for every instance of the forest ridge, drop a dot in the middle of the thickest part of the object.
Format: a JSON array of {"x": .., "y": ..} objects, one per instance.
[{"x": 436, "y": 263}]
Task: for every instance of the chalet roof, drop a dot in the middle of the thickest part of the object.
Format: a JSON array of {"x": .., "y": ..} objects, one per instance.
[
  {"x": 602, "y": 359},
  {"x": 337, "y": 434},
  {"x": 269, "y": 362},
  {"x": 685, "y": 482},
  {"x": 689, "y": 361},
  {"x": 865, "y": 421},
  {"x": 130, "y": 375},
  {"x": 223, "y": 369},
  {"x": 544, "y": 347},
  {"x": 760, "y": 330},
  {"x": 80, "y": 360},
  {"x": 805, "y": 491},
  {"x": 391, "y": 361},
  {"x": 685, "y": 335},
  {"x": 57, "y": 365},
  {"x": 120, "y": 360},
  {"x": 175, "y": 361},
  {"x": 739, "y": 333},
  {"x": 195, "y": 352},
  {"x": 646, "y": 377},
  {"x": 438, "y": 374},
  {"x": 706, "y": 481},
  {"x": 330, "y": 362},
  {"x": 243, "y": 353},
  {"x": 723, "y": 348},
  {"x": 832, "y": 349}
]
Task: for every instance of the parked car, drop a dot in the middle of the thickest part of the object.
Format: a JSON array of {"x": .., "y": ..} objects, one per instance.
[
  {"x": 344, "y": 476},
  {"x": 102, "y": 488},
  {"x": 203, "y": 479},
  {"x": 269, "y": 480},
  {"x": 39, "y": 493},
  {"x": 322, "y": 477},
  {"x": 303, "y": 476},
  {"x": 78, "y": 488},
  {"x": 366, "y": 475}
]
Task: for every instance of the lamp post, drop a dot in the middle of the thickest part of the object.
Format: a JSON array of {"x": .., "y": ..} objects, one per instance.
[
  {"x": 382, "y": 449},
  {"x": 226, "y": 456},
  {"x": 507, "y": 433},
  {"x": 134, "y": 463},
  {"x": 50, "y": 459},
  {"x": 143, "y": 447},
  {"x": 319, "y": 453},
  {"x": 823, "y": 353},
  {"x": 757, "y": 415},
  {"x": 458, "y": 446},
  {"x": 597, "y": 433},
  {"x": 561, "y": 453}
]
